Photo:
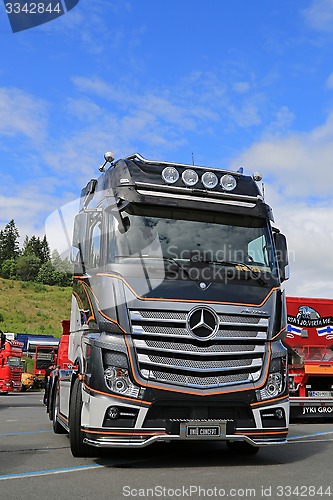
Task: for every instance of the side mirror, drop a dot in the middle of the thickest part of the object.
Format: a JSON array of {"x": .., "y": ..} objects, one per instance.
[
  {"x": 79, "y": 231},
  {"x": 79, "y": 239},
  {"x": 281, "y": 252}
]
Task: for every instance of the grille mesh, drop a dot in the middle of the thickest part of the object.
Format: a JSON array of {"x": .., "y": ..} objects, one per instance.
[
  {"x": 230, "y": 348},
  {"x": 200, "y": 381},
  {"x": 159, "y": 330}
]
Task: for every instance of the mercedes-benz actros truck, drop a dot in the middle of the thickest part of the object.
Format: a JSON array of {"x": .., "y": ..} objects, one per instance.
[{"x": 177, "y": 311}]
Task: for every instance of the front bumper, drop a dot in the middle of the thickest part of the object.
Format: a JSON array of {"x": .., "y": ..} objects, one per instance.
[
  {"x": 109, "y": 442},
  {"x": 147, "y": 426}
]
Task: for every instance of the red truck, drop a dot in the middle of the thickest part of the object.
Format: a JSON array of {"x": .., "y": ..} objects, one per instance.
[
  {"x": 310, "y": 345},
  {"x": 10, "y": 365},
  {"x": 45, "y": 356}
]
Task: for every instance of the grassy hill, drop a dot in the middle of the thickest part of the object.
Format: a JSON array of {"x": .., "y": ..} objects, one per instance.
[{"x": 27, "y": 307}]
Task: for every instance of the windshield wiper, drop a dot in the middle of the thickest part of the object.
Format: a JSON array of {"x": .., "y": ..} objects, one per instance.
[{"x": 236, "y": 263}]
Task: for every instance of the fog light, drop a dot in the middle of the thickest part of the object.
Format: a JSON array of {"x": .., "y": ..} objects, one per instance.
[
  {"x": 170, "y": 175},
  {"x": 113, "y": 412},
  {"x": 228, "y": 182},
  {"x": 279, "y": 413},
  {"x": 209, "y": 180},
  {"x": 190, "y": 177}
]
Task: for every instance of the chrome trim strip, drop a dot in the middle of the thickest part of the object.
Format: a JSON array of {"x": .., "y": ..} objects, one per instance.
[
  {"x": 144, "y": 358},
  {"x": 141, "y": 344},
  {"x": 130, "y": 443},
  {"x": 196, "y": 198}
]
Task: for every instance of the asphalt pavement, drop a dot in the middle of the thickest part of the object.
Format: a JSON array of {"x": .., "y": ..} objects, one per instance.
[{"x": 36, "y": 463}]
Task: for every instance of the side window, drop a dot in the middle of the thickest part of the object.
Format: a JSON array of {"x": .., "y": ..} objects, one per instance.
[
  {"x": 257, "y": 250},
  {"x": 111, "y": 240},
  {"x": 95, "y": 243}
]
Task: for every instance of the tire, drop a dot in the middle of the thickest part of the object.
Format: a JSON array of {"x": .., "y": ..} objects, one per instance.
[
  {"x": 57, "y": 427},
  {"x": 78, "y": 447},
  {"x": 242, "y": 447},
  {"x": 3, "y": 393}
]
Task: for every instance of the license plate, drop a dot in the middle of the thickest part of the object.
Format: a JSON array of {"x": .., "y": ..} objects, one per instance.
[
  {"x": 203, "y": 431},
  {"x": 320, "y": 394}
]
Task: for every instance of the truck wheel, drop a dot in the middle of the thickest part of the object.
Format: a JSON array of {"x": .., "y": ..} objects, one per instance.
[
  {"x": 242, "y": 447},
  {"x": 57, "y": 427},
  {"x": 78, "y": 447}
]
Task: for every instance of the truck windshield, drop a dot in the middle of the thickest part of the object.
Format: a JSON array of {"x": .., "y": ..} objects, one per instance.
[
  {"x": 14, "y": 361},
  {"x": 193, "y": 238}
]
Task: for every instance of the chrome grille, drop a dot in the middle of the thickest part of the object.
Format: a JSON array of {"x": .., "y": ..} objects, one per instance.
[{"x": 167, "y": 352}]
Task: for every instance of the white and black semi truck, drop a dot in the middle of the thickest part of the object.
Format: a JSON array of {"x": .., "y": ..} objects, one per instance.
[{"x": 177, "y": 311}]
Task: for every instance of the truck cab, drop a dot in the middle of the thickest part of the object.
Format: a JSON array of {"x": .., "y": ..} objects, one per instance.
[
  {"x": 10, "y": 365},
  {"x": 177, "y": 311}
]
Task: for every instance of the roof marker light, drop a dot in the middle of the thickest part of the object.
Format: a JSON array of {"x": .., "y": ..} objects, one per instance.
[
  {"x": 190, "y": 177},
  {"x": 209, "y": 180},
  {"x": 228, "y": 182},
  {"x": 170, "y": 175},
  {"x": 256, "y": 176}
]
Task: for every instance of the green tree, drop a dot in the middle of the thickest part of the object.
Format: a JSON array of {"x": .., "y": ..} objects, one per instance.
[
  {"x": 9, "y": 246},
  {"x": 49, "y": 275},
  {"x": 9, "y": 268},
  {"x": 38, "y": 247},
  {"x": 28, "y": 267}
]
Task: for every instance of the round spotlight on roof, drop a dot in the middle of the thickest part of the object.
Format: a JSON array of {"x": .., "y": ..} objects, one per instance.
[
  {"x": 190, "y": 177},
  {"x": 228, "y": 182},
  {"x": 170, "y": 175},
  {"x": 209, "y": 180}
]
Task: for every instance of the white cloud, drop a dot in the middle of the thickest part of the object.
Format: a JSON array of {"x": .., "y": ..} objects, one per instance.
[
  {"x": 241, "y": 87},
  {"x": 329, "y": 81},
  {"x": 283, "y": 119},
  {"x": 319, "y": 15},
  {"x": 23, "y": 114},
  {"x": 300, "y": 162},
  {"x": 297, "y": 171},
  {"x": 310, "y": 241}
]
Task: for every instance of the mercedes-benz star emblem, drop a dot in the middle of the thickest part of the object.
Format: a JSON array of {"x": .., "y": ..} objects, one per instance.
[{"x": 202, "y": 323}]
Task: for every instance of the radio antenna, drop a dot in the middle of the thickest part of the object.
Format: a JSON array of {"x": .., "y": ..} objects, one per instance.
[{"x": 192, "y": 159}]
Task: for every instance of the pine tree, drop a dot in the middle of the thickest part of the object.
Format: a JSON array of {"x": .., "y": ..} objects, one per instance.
[
  {"x": 36, "y": 246},
  {"x": 9, "y": 247}
]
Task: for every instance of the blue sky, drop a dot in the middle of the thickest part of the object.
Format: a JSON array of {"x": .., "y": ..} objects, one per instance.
[{"x": 235, "y": 83}]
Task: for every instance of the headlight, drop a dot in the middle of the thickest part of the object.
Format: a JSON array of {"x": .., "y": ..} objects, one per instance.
[
  {"x": 209, "y": 180},
  {"x": 190, "y": 177},
  {"x": 170, "y": 175},
  {"x": 228, "y": 182},
  {"x": 273, "y": 387},
  {"x": 117, "y": 379}
]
